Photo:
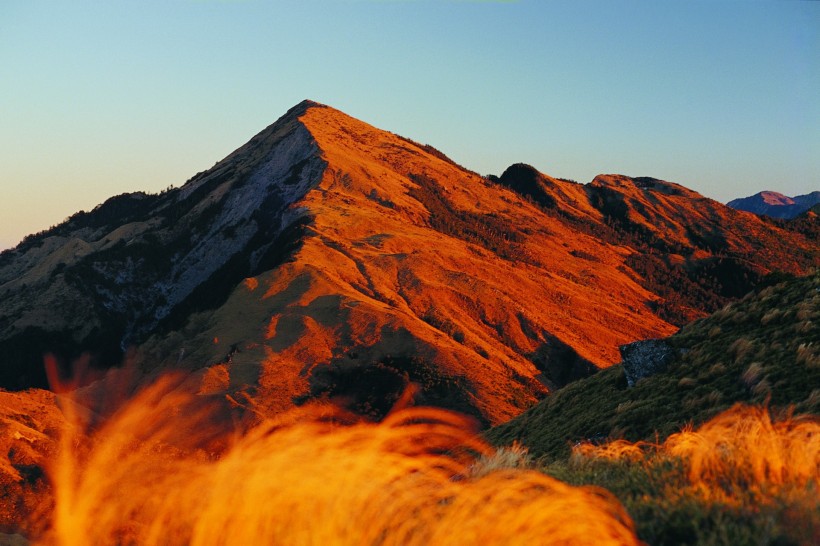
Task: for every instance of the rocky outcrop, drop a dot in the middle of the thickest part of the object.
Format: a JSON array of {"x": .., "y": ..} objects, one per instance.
[
  {"x": 527, "y": 181},
  {"x": 645, "y": 358}
]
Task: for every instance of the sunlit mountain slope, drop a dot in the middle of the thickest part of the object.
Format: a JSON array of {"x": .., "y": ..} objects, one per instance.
[{"x": 327, "y": 258}]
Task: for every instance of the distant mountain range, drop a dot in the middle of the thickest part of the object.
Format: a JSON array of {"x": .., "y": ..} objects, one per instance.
[
  {"x": 328, "y": 259},
  {"x": 776, "y": 205}
]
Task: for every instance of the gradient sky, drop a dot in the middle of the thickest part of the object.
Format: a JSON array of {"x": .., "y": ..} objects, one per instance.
[{"x": 101, "y": 98}]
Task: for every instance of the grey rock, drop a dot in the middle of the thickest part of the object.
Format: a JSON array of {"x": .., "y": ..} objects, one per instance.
[{"x": 645, "y": 358}]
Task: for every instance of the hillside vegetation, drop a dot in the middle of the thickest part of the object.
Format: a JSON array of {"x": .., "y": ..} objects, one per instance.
[
  {"x": 721, "y": 448},
  {"x": 763, "y": 348},
  {"x": 743, "y": 477}
]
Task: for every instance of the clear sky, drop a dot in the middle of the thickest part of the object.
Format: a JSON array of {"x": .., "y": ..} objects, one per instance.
[{"x": 101, "y": 98}]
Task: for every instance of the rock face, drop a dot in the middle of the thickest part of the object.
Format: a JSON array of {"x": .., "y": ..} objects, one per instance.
[
  {"x": 645, "y": 358},
  {"x": 138, "y": 263}
]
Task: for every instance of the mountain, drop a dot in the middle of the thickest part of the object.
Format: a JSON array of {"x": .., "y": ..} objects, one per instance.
[
  {"x": 776, "y": 204},
  {"x": 761, "y": 350},
  {"x": 329, "y": 259}
]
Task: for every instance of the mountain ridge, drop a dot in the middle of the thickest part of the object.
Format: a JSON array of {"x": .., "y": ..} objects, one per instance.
[
  {"x": 776, "y": 205},
  {"x": 180, "y": 244},
  {"x": 326, "y": 258}
]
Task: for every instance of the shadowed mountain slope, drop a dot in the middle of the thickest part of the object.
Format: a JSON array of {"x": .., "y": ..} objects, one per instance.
[
  {"x": 103, "y": 279},
  {"x": 329, "y": 259}
]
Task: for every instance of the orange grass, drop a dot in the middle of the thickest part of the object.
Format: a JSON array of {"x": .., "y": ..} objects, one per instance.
[
  {"x": 740, "y": 450},
  {"x": 614, "y": 450},
  {"x": 157, "y": 472},
  {"x": 743, "y": 447}
]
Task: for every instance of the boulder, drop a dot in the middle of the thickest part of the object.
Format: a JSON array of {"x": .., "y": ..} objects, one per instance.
[{"x": 645, "y": 358}]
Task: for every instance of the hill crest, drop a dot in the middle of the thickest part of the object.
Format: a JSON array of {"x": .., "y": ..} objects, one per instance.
[{"x": 326, "y": 258}]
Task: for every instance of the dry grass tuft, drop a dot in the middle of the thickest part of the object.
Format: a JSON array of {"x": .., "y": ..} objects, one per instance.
[
  {"x": 687, "y": 382},
  {"x": 762, "y": 388},
  {"x": 806, "y": 354},
  {"x": 804, "y": 327},
  {"x": 147, "y": 476},
  {"x": 515, "y": 456},
  {"x": 717, "y": 369},
  {"x": 752, "y": 375},
  {"x": 744, "y": 448},
  {"x": 771, "y": 315},
  {"x": 813, "y": 398},
  {"x": 614, "y": 450},
  {"x": 626, "y": 406},
  {"x": 739, "y": 450},
  {"x": 740, "y": 348}
]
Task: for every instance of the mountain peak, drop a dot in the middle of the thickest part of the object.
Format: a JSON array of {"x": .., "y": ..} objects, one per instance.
[
  {"x": 775, "y": 198},
  {"x": 299, "y": 109},
  {"x": 775, "y": 204},
  {"x": 329, "y": 258},
  {"x": 642, "y": 184}
]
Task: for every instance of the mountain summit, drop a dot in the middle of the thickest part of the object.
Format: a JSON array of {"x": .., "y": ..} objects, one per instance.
[
  {"x": 329, "y": 259},
  {"x": 776, "y": 205}
]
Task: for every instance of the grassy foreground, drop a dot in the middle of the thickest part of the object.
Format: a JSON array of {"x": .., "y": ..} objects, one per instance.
[{"x": 741, "y": 478}]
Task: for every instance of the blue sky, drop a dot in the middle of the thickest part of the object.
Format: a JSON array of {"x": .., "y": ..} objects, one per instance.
[{"x": 100, "y": 98}]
